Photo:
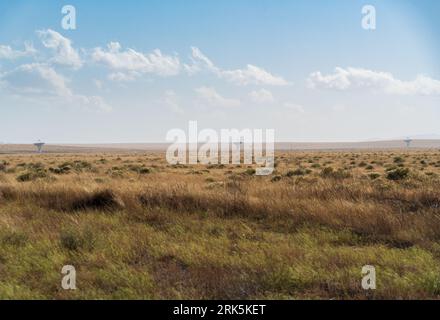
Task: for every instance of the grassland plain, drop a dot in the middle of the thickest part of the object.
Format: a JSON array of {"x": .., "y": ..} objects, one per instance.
[{"x": 135, "y": 227}]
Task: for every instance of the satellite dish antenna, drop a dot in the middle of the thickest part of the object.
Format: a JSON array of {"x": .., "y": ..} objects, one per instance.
[
  {"x": 39, "y": 146},
  {"x": 408, "y": 142}
]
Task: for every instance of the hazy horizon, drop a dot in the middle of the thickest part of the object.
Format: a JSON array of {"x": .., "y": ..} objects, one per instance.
[{"x": 413, "y": 137}]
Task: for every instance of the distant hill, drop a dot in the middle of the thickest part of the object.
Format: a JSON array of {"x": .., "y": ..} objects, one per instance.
[
  {"x": 385, "y": 144},
  {"x": 29, "y": 148},
  {"x": 391, "y": 144},
  {"x": 286, "y": 146}
]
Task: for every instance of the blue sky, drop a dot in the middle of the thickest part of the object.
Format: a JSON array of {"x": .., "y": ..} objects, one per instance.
[{"x": 133, "y": 70}]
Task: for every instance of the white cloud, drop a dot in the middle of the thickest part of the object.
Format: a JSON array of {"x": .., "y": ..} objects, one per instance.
[
  {"x": 129, "y": 64},
  {"x": 261, "y": 96},
  {"x": 6, "y": 52},
  {"x": 36, "y": 78},
  {"x": 200, "y": 62},
  {"x": 123, "y": 76},
  {"x": 42, "y": 81},
  {"x": 64, "y": 53},
  {"x": 251, "y": 75},
  {"x": 210, "y": 97},
  {"x": 358, "y": 78}
]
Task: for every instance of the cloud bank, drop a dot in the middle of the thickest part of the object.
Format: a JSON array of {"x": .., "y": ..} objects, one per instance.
[
  {"x": 251, "y": 75},
  {"x": 128, "y": 64},
  {"x": 382, "y": 82},
  {"x": 63, "y": 52}
]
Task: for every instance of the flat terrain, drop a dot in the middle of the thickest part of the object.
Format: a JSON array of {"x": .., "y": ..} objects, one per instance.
[
  {"x": 281, "y": 146},
  {"x": 29, "y": 149},
  {"x": 135, "y": 227}
]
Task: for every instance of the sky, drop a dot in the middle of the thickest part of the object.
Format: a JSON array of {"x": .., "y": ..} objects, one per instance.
[{"x": 133, "y": 70}]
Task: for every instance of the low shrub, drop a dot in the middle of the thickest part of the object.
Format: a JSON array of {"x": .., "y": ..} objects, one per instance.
[
  {"x": 31, "y": 175},
  {"x": 374, "y": 175},
  {"x": 398, "y": 160},
  {"x": 398, "y": 174},
  {"x": 329, "y": 172},
  {"x": 297, "y": 172},
  {"x": 74, "y": 240},
  {"x": 16, "y": 239},
  {"x": 100, "y": 200},
  {"x": 250, "y": 172}
]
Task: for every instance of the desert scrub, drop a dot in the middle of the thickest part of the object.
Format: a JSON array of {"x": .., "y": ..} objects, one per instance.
[
  {"x": 221, "y": 235},
  {"x": 74, "y": 240},
  {"x": 329, "y": 172},
  {"x": 77, "y": 165},
  {"x": 63, "y": 169},
  {"x": 3, "y": 166},
  {"x": 14, "y": 238},
  {"x": 398, "y": 160},
  {"x": 297, "y": 172},
  {"x": 250, "y": 172},
  {"x": 139, "y": 169},
  {"x": 105, "y": 200},
  {"x": 32, "y": 175},
  {"x": 81, "y": 166},
  {"x": 374, "y": 175},
  {"x": 116, "y": 172},
  {"x": 398, "y": 174},
  {"x": 362, "y": 164}
]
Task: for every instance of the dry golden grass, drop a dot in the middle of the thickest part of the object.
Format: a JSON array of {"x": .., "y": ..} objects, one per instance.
[{"x": 136, "y": 227}]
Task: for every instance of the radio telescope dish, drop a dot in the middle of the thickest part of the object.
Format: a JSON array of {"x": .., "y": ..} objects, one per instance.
[
  {"x": 408, "y": 142},
  {"x": 39, "y": 146}
]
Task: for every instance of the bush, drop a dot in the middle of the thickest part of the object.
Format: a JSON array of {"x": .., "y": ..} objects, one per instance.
[
  {"x": 390, "y": 168},
  {"x": 297, "y": 172},
  {"x": 398, "y": 160},
  {"x": 70, "y": 241},
  {"x": 329, "y": 172},
  {"x": 374, "y": 175},
  {"x": 34, "y": 171},
  {"x": 398, "y": 174},
  {"x": 276, "y": 178},
  {"x": 24, "y": 177},
  {"x": 15, "y": 239},
  {"x": 250, "y": 172},
  {"x": 101, "y": 200},
  {"x": 61, "y": 170},
  {"x": 30, "y": 176},
  {"x": 139, "y": 169},
  {"x": 144, "y": 171},
  {"x": 78, "y": 165},
  {"x": 74, "y": 240}
]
